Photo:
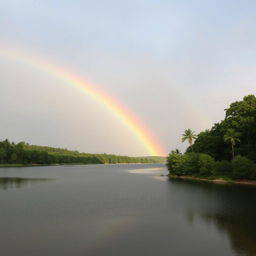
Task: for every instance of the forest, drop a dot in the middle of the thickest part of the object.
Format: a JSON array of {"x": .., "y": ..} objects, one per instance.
[
  {"x": 226, "y": 150},
  {"x": 15, "y": 154}
]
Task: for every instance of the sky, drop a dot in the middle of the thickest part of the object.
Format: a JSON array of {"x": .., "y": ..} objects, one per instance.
[{"x": 173, "y": 64}]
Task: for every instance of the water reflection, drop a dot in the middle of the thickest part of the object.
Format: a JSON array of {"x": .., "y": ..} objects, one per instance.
[
  {"x": 18, "y": 182},
  {"x": 231, "y": 209},
  {"x": 146, "y": 170}
]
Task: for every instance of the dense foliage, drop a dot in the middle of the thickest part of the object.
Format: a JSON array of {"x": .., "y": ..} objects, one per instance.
[
  {"x": 228, "y": 149},
  {"x": 203, "y": 165},
  {"x": 23, "y": 153},
  {"x": 241, "y": 120}
]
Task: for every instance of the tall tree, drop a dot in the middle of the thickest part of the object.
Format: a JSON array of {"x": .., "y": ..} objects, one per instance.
[
  {"x": 232, "y": 137},
  {"x": 189, "y": 135},
  {"x": 241, "y": 116}
]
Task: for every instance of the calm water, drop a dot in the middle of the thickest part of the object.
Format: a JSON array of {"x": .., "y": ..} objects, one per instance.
[{"x": 121, "y": 210}]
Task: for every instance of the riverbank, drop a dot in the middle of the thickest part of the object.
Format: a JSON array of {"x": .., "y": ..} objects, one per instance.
[
  {"x": 71, "y": 164},
  {"x": 25, "y": 165},
  {"x": 215, "y": 180},
  {"x": 39, "y": 165}
]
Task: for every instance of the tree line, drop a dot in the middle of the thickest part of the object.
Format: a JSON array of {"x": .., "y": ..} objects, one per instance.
[
  {"x": 22, "y": 153},
  {"x": 228, "y": 149}
]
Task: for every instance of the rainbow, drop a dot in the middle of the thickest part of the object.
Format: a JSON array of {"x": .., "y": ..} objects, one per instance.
[{"x": 66, "y": 75}]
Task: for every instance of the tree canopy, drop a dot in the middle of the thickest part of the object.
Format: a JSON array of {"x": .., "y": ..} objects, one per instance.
[{"x": 241, "y": 118}]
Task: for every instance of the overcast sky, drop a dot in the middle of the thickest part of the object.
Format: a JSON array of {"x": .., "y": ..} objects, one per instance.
[{"x": 175, "y": 64}]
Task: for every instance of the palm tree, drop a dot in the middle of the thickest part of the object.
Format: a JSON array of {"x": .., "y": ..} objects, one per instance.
[
  {"x": 231, "y": 136},
  {"x": 189, "y": 135}
]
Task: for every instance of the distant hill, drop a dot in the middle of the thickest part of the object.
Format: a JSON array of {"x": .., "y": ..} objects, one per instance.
[{"x": 26, "y": 154}]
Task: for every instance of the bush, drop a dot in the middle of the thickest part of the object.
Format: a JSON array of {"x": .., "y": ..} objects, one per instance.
[
  {"x": 175, "y": 164},
  {"x": 223, "y": 167},
  {"x": 253, "y": 172},
  {"x": 206, "y": 164},
  {"x": 243, "y": 168},
  {"x": 195, "y": 164},
  {"x": 190, "y": 164}
]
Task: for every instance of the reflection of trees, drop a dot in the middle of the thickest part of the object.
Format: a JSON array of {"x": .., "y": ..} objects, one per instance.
[
  {"x": 231, "y": 209},
  {"x": 16, "y": 182},
  {"x": 241, "y": 232}
]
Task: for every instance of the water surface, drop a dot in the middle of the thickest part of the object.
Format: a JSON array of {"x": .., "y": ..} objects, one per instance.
[{"x": 121, "y": 210}]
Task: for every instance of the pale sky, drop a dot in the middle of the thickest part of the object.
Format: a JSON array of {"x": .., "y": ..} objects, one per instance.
[{"x": 175, "y": 64}]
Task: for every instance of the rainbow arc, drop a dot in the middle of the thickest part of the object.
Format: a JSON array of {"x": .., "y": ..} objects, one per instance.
[{"x": 111, "y": 103}]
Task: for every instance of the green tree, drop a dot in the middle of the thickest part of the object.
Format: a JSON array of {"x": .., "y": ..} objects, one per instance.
[
  {"x": 13, "y": 158},
  {"x": 189, "y": 135},
  {"x": 241, "y": 116},
  {"x": 211, "y": 142},
  {"x": 2, "y": 155},
  {"x": 232, "y": 137}
]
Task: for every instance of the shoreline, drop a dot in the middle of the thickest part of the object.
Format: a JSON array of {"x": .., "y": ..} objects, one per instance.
[
  {"x": 42, "y": 165},
  {"x": 36, "y": 165},
  {"x": 215, "y": 180}
]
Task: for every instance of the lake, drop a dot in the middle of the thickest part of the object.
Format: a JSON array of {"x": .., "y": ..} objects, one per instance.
[{"x": 121, "y": 210}]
